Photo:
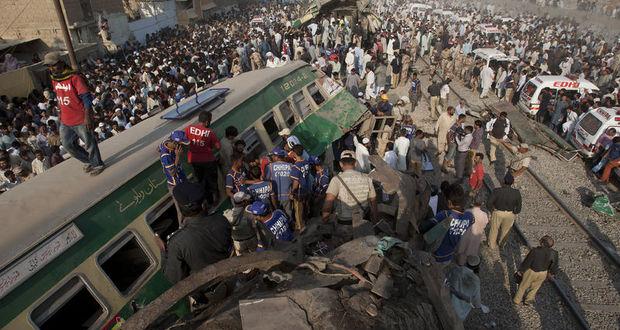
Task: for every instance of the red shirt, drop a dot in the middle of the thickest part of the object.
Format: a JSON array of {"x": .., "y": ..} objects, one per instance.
[
  {"x": 476, "y": 179},
  {"x": 202, "y": 141},
  {"x": 68, "y": 93}
]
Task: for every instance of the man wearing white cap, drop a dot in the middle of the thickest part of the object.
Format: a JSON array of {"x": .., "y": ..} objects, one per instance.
[
  {"x": 272, "y": 62},
  {"x": 520, "y": 160},
  {"x": 362, "y": 154},
  {"x": 352, "y": 193}
]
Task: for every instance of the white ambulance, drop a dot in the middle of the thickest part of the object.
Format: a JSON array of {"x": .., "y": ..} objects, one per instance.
[
  {"x": 591, "y": 126},
  {"x": 493, "y": 56},
  {"x": 528, "y": 101}
]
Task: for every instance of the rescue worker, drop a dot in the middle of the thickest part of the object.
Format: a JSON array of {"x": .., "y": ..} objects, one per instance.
[
  {"x": 320, "y": 183},
  {"x": 76, "y": 118},
  {"x": 353, "y": 194},
  {"x": 274, "y": 225},
  {"x": 202, "y": 241},
  {"x": 301, "y": 186},
  {"x": 278, "y": 173},
  {"x": 203, "y": 141},
  {"x": 170, "y": 153}
]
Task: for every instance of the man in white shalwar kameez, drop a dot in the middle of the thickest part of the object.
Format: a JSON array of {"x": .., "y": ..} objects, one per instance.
[
  {"x": 401, "y": 147},
  {"x": 486, "y": 81}
]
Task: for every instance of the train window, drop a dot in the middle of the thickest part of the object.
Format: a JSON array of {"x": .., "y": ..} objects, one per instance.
[
  {"x": 72, "y": 306},
  {"x": 272, "y": 129},
  {"x": 125, "y": 262},
  {"x": 163, "y": 220},
  {"x": 287, "y": 113},
  {"x": 315, "y": 92},
  {"x": 253, "y": 145},
  {"x": 302, "y": 104}
]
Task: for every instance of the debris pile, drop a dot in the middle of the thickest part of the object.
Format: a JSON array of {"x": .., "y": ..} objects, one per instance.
[{"x": 365, "y": 283}]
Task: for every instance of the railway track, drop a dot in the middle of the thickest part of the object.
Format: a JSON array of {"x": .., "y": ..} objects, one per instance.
[{"x": 588, "y": 282}]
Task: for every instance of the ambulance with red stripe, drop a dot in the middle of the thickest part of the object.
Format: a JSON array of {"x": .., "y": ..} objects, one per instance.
[
  {"x": 591, "y": 126},
  {"x": 529, "y": 102}
]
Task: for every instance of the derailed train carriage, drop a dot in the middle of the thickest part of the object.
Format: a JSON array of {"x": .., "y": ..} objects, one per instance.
[{"x": 80, "y": 252}]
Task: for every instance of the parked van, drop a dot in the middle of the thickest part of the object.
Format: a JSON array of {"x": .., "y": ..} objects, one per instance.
[
  {"x": 492, "y": 55},
  {"x": 591, "y": 126},
  {"x": 528, "y": 101}
]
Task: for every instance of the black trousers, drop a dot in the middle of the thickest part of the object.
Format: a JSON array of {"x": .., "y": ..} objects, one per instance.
[{"x": 206, "y": 174}]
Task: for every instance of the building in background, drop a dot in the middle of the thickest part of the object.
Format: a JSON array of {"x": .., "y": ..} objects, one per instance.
[
  {"x": 27, "y": 19},
  {"x": 191, "y": 10}
]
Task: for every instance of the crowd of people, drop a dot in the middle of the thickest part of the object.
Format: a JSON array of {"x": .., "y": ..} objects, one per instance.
[{"x": 273, "y": 197}]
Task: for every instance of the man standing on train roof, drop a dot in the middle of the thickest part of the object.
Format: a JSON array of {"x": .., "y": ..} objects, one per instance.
[
  {"x": 202, "y": 241},
  {"x": 170, "y": 152},
  {"x": 75, "y": 104},
  {"x": 202, "y": 142}
]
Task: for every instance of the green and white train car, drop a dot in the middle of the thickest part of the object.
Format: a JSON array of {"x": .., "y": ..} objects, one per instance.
[{"x": 79, "y": 252}]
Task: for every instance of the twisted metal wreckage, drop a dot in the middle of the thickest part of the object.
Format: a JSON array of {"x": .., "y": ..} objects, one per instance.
[{"x": 380, "y": 279}]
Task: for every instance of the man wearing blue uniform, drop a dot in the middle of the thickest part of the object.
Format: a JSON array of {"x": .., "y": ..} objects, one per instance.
[
  {"x": 170, "y": 152},
  {"x": 455, "y": 220},
  {"x": 276, "y": 223},
  {"x": 301, "y": 186},
  {"x": 259, "y": 189},
  {"x": 279, "y": 174},
  {"x": 319, "y": 184}
]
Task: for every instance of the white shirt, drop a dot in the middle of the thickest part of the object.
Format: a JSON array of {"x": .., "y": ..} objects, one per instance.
[
  {"x": 39, "y": 166},
  {"x": 390, "y": 158},
  {"x": 463, "y": 143},
  {"x": 361, "y": 154},
  {"x": 401, "y": 147},
  {"x": 445, "y": 90},
  {"x": 273, "y": 63},
  {"x": 460, "y": 110},
  {"x": 370, "y": 85}
]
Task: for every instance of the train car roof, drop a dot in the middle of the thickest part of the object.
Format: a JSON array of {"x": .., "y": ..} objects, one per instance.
[{"x": 36, "y": 209}]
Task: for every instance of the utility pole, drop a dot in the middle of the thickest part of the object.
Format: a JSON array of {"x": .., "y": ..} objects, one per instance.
[{"x": 65, "y": 33}]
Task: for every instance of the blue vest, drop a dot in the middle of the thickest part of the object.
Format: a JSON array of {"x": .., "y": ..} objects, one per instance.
[
  {"x": 279, "y": 226},
  {"x": 301, "y": 172},
  {"x": 261, "y": 192},
  {"x": 279, "y": 173},
  {"x": 459, "y": 224}
]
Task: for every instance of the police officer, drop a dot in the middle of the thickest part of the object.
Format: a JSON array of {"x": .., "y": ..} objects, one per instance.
[
  {"x": 203, "y": 240},
  {"x": 353, "y": 193}
]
